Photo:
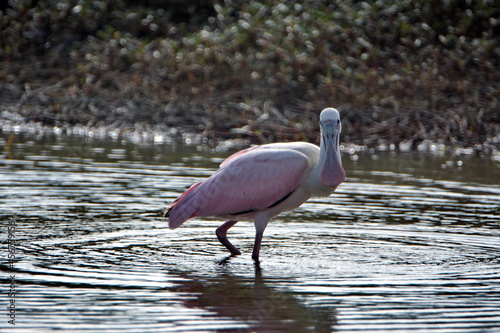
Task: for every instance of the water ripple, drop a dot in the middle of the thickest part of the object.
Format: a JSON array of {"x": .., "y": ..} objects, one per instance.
[{"x": 399, "y": 247}]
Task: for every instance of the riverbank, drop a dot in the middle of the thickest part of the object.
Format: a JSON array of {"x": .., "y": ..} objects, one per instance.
[{"x": 402, "y": 74}]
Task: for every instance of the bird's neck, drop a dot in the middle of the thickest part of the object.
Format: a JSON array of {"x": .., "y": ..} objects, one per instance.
[{"x": 315, "y": 186}]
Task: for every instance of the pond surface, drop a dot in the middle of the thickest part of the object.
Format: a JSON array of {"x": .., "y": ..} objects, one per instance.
[{"x": 410, "y": 242}]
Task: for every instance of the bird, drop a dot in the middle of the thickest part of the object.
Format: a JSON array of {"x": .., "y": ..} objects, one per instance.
[{"x": 260, "y": 182}]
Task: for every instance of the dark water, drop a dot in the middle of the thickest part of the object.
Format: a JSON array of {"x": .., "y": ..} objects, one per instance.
[{"x": 410, "y": 242}]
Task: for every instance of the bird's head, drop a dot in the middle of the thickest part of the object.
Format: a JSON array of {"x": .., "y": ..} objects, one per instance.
[{"x": 331, "y": 173}]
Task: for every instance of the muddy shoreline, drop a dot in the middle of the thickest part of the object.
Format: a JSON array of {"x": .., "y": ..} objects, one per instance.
[{"x": 45, "y": 107}]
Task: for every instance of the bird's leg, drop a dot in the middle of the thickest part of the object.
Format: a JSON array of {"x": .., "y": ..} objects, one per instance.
[
  {"x": 260, "y": 223},
  {"x": 221, "y": 233},
  {"x": 256, "y": 245}
]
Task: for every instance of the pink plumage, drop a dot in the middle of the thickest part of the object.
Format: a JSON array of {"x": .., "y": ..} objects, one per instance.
[{"x": 260, "y": 182}]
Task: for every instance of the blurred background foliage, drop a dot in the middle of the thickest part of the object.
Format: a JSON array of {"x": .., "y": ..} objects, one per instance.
[{"x": 398, "y": 70}]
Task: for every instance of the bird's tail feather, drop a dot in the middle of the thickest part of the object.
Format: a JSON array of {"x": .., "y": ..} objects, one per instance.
[{"x": 182, "y": 209}]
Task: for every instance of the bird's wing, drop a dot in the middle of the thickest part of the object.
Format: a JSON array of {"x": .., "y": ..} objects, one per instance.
[
  {"x": 251, "y": 180},
  {"x": 235, "y": 156}
]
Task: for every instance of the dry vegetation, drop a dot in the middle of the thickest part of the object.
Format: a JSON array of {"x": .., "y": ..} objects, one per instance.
[{"x": 398, "y": 70}]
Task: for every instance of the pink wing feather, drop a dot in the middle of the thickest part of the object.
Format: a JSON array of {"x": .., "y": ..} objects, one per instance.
[{"x": 250, "y": 180}]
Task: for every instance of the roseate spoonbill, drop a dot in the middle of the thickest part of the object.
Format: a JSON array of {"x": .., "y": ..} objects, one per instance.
[{"x": 261, "y": 182}]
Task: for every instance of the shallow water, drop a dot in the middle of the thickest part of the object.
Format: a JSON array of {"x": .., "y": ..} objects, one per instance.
[{"x": 410, "y": 242}]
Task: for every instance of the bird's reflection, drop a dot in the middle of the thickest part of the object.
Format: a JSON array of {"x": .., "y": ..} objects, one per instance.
[{"x": 251, "y": 301}]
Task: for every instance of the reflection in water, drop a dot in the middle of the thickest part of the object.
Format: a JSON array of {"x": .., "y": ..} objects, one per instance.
[
  {"x": 409, "y": 242},
  {"x": 258, "y": 307}
]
